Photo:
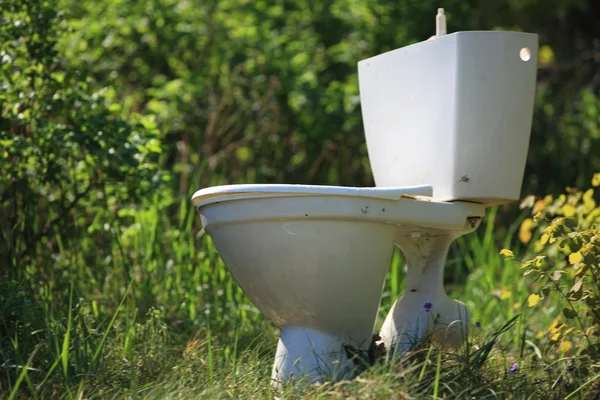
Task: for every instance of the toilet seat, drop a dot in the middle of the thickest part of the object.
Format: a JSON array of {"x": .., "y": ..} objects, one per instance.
[
  {"x": 410, "y": 208},
  {"x": 217, "y": 193}
]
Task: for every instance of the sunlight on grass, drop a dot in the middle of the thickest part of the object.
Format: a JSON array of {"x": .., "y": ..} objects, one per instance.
[
  {"x": 113, "y": 112},
  {"x": 183, "y": 328}
]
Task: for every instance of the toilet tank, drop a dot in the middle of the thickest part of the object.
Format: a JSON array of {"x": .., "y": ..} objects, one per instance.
[{"x": 453, "y": 112}]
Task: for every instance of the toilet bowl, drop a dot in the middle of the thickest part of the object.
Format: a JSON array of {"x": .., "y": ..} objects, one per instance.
[
  {"x": 447, "y": 125},
  {"x": 313, "y": 259}
]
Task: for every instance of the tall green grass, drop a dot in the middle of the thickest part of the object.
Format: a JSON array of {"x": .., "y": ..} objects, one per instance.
[{"x": 159, "y": 316}]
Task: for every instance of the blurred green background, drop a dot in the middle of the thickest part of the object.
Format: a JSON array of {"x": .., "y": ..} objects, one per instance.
[
  {"x": 113, "y": 112},
  {"x": 267, "y": 91}
]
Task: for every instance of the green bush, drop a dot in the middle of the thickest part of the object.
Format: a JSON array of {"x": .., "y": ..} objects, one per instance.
[
  {"x": 266, "y": 91},
  {"x": 262, "y": 91},
  {"x": 70, "y": 168},
  {"x": 66, "y": 155},
  {"x": 566, "y": 263},
  {"x": 108, "y": 286}
]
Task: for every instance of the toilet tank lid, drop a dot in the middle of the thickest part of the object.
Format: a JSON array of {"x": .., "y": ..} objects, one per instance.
[{"x": 212, "y": 194}]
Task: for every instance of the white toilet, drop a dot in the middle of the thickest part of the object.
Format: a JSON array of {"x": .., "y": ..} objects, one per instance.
[{"x": 447, "y": 124}]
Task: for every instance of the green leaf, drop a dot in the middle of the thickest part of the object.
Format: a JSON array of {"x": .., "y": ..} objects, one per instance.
[
  {"x": 569, "y": 313},
  {"x": 64, "y": 354}
]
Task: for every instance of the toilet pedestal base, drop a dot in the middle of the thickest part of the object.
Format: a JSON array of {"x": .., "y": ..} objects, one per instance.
[
  {"x": 307, "y": 354},
  {"x": 425, "y": 310}
]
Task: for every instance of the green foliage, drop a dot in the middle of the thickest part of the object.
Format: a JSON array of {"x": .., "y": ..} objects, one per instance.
[
  {"x": 65, "y": 152},
  {"x": 262, "y": 91},
  {"x": 566, "y": 263},
  {"x": 267, "y": 91},
  {"x": 107, "y": 286}
]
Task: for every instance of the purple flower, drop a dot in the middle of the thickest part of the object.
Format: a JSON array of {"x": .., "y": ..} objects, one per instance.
[
  {"x": 513, "y": 369},
  {"x": 478, "y": 324},
  {"x": 428, "y": 306}
]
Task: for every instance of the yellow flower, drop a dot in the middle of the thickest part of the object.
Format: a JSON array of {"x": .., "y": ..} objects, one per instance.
[
  {"x": 539, "y": 335},
  {"x": 565, "y": 346},
  {"x": 533, "y": 300},
  {"x": 568, "y": 210},
  {"x": 596, "y": 180},
  {"x": 525, "y": 230},
  {"x": 574, "y": 258},
  {"x": 507, "y": 253},
  {"x": 555, "y": 325}
]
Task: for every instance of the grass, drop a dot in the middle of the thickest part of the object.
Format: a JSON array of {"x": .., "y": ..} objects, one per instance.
[{"x": 146, "y": 309}]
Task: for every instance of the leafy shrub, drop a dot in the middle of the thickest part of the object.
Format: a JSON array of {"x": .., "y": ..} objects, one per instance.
[
  {"x": 68, "y": 162},
  {"x": 267, "y": 91},
  {"x": 566, "y": 261},
  {"x": 65, "y": 153},
  {"x": 253, "y": 91}
]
